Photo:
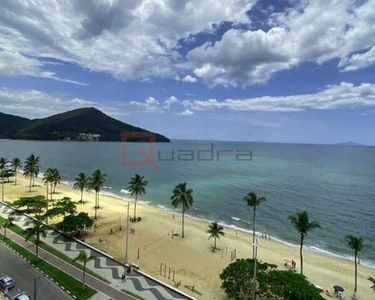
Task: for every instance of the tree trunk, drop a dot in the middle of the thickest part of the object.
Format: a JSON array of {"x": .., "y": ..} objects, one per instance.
[
  {"x": 300, "y": 253},
  {"x": 135, "y": 206},
  {"x": 355, "y": 272},
  {"x": 2, "y": 191},
  {"x": 183, "y": 223},
  {"x": 15, "y": 179},
  {"x": 96, "y": 206},
  {"x": 81, "y": 195},
  {"x": 84, "y": 274},
  {"x": 254, "y": 232},
  {"x": 30, "y": 183},
  {"x": 215, "y": 243},
  {"x": 47, "y": 192}
]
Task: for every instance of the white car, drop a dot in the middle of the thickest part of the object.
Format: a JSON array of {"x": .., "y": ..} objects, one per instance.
[
  {"x": 21, "y": 296},
  {"x": 6, "y": 282}
]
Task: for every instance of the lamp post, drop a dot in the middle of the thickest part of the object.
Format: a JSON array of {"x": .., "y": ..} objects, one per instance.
[{"x": 255, "y": 245}]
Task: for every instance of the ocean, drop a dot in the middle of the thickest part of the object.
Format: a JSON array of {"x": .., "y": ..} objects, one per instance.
[{"x": 335, "y": 184}]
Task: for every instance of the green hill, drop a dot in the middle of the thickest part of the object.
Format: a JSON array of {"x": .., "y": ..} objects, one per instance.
[
  {"x": 10, "y": 124},
  {"x": 69, "y": 125}
]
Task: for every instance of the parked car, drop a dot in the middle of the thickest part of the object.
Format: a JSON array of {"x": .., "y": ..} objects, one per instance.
[
  {"x": 21, "y": 296},
  {"x": 6, "y": 282}
]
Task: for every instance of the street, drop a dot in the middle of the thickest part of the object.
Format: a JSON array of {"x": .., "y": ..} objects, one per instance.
[{"x": 23, "y": 274}]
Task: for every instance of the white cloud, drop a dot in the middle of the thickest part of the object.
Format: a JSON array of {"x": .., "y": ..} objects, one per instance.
[
  {"x": 129, "y": 39},
  {"x": 171, "y": 100},
  {"x": 16, "y": 64},
  {"x": 186, "y": 112},
  {"x": 315, "y": 31},
  {"x": 150, "y": 104},
  {"x": 344, "y": 95},
  {"x": 33, "y": 103},
  {"x": 190, "y": 79}
]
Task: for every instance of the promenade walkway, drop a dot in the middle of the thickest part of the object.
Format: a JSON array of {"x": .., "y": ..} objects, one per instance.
[{"x": 137, "y": 282}]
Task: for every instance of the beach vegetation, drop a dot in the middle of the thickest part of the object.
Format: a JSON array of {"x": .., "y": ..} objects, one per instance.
[
  {"x": 96, "y": 182},
  {"x": 37, "y": 229},
  {"x": 80, "y": 184},
  {"x": 182, "y": 196},
  {"x": 272, "y": 284},
  {"x": 356, "y": 244},
  {"x": 372, "y": 280},
  {"x": 215, "y": 231},
  {"x": 252, "y": 200},
  {"x": 302, "y": 224},
  {"x": 84, "y": 259},
  {"x": 32, "y": 204},
  {"x": 15, "y": 164},
  {"x": 31, "y": 169},
  {"x": 74, "y": 224},
  {"x": 137, "y": 187},
  {"x": 62, "y": 207}
]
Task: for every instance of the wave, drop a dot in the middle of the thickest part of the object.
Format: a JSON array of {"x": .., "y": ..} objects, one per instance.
[
  {"x": 240, "y": 220},
  {"x": 124, "y": 191}
]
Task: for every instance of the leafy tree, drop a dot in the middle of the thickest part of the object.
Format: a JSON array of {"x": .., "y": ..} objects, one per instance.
[
  {"x": 215, "y": 231},
  {"x": 16, "y": 163},
  {"x": 35, "y": 203},
  {"x": 75, "y": 223},
  {"x": 61, "y": 208},
  {"x": 96, "y": 182},
  {"x": 137, "y": 187},
  {"x": 356, "y": 244},
  {"x": 80, "y": 184},
  {"x": 372, "y": 280},
  {"x": 302, "y": 224},
  {"x": 31, "y": 168},
  {"x": 182, "y": 196},
  {"x": 237, "y": 282},
  {"x": 84, "y": 258},
  {"x": 253, "y": 201},
  {"x": 37, "y": 229}
]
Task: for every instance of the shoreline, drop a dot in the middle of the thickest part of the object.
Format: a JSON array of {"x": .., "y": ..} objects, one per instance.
[
  {"x": 191, "y": 258},
  {"x": 311, "y": 248}
]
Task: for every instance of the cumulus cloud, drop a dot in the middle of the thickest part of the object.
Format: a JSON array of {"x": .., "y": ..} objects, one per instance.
[
  {"x": 150, "y": 104},
  {"x": 315, "y": 31},
  {"x": 186, "y": 112},
  {"x": 171, "y": 100},
  {"x": 129, "y": 39},
  {"x": 190, "y": 79},
  {"x": 344, "y": 95}
]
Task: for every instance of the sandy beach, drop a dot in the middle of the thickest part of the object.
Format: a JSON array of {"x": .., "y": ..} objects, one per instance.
[{"x": 191, "y": 258}]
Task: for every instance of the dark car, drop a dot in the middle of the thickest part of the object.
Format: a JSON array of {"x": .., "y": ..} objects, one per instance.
[{"x": 6, "y": 282}]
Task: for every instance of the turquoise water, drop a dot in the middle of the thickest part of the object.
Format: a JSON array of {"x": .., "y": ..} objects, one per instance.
[{"x": 335, "y": 184}]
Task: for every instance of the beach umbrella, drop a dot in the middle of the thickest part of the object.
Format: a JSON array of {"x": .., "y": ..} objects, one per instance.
[{"x": 338, "y": 288}]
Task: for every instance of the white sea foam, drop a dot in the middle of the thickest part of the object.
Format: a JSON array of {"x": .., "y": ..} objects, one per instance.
[
  {"x": 124, "y": 191},
  {"x": 235, "y": 218}
]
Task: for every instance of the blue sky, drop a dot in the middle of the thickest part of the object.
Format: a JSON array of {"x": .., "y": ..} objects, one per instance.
[{"x": 274, "y": 71}]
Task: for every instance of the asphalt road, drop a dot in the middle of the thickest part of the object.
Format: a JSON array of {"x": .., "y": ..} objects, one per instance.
[{"x": 24, "y": 274}]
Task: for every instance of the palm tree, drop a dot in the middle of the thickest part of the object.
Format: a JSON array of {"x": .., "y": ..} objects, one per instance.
[
  {"x": 372, "y": 280},
  {"x": 80, "y": 184},
  {"x": 84, "y": 258},
  {"x": 356, "y": 244},
  {"x": 3, "y": 163},
  {"x": 253, "y": 201},
  {"x": 6, "y": 224},
  {"x": 303, "y": 225},
  {"x": 181, "y": 195},
  {"x": 31, "y": 168},
  {"x": 38, "y": 229},
  {"x": 16, "y": 163},
  {"x": 137, "y": 186},
  {"x": 48, "y": 179},
  {"x": 215, "y": 231},
  {"x": 96, "y": 182},
  {"x": 56, "y": 178}
]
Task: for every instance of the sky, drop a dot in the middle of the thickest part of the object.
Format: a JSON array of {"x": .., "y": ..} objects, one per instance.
[{"x": 292, "y": 71}]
